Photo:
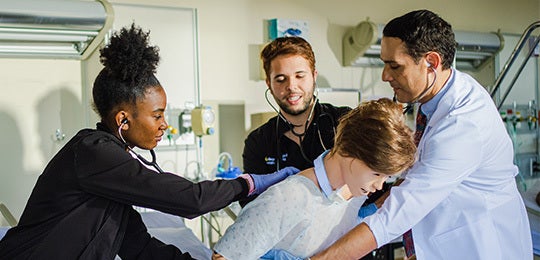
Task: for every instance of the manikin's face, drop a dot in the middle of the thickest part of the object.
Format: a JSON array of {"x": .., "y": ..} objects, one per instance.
[
  {"x": 406, "y": 78},
  {"x": 292, "y": 83},
  {"x": 147, "y": 125},
  {"x": 360, "y": 178}
]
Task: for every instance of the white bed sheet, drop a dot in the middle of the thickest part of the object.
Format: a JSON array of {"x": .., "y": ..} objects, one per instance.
[
  {"x": 172, "y": 230},
  {"x": 3, "y": 231}
]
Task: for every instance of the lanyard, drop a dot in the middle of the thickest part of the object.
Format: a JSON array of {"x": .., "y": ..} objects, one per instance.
[{"x": 320, "y": 173}]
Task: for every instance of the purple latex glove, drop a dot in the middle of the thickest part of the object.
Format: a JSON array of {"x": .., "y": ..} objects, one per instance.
[{"x": 263, "y": 181}]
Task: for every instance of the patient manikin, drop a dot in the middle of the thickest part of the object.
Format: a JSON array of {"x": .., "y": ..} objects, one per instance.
[
  {"x": 307, "y": 212},
  {"x": 294, "y": 216}
]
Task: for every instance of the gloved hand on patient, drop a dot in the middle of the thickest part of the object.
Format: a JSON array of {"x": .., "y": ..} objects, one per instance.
[
  {"x": 277, "y": 254},
  {"x": 371, "y": 208},
  {"x": 367, "y": 210},
  {"x": 263, "y": 181}
]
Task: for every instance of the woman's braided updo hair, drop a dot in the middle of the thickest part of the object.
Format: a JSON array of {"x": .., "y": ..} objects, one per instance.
[{"x": 130, "y": 63}]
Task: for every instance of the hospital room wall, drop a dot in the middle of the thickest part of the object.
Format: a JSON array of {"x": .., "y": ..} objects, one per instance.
[
  {"x": 40, "y": 96},
  {"x": 231, "y": 33}
]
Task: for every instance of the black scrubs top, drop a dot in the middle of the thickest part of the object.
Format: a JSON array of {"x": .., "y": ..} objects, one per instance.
[
  {"x": 81, "y": 208},
  {"x": 267, "y": 146}
]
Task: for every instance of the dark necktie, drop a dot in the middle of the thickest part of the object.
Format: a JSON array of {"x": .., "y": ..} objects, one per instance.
[{"x": 421, "y": 120}]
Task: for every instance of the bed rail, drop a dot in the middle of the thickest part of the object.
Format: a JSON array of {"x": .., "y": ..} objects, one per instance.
[{"x": 11, "y": 220}]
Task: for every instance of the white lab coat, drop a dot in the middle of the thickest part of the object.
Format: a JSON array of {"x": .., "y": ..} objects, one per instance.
[{"x": 460, "y": 197}]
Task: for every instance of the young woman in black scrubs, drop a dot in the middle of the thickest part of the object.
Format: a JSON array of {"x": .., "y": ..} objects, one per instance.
[{"x": 81, "y": 206}]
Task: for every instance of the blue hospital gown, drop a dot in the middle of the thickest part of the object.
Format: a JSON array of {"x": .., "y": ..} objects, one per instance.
[{"x": 293, "y": 215}]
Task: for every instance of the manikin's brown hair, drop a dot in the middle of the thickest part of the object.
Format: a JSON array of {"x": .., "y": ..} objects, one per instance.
[{"x": 375, "y": 132}]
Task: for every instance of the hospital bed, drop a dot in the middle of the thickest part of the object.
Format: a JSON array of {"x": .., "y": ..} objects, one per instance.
[
  {"x": 10, "y": 219},
  {"x": 172, "y": 230}
]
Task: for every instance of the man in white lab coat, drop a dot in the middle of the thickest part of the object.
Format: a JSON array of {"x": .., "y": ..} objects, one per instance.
[{"x": 460, "y": 198}]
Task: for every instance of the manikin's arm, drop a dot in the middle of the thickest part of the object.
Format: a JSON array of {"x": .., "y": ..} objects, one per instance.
[{"x": 353, "y": 245}]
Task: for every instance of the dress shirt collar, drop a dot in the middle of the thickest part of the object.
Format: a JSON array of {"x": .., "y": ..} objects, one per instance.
[{"x": 429, "y": 107}]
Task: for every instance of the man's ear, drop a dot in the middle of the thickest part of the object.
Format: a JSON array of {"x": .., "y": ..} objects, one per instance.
[{"x": 433, "y": 60}]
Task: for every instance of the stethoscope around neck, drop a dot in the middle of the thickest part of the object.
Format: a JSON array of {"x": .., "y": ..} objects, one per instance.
[
  {"x": 289, "y": 124},
  {"x": 153, "y": 163},
  {"x": 292, "y": 126}
]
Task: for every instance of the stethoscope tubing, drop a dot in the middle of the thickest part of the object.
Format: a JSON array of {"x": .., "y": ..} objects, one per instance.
[
  {"x": 153, "y": 163},
  {"x": 410, "y": 105},
  {"x": 291, "y": 126}
]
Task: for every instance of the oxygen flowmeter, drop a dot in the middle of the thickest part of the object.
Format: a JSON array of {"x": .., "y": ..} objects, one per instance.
[{"x": 202, "y": 120}]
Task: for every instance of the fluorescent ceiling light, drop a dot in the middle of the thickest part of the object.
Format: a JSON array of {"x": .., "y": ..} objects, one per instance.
[
  {"x": 42, "y": 37},
  {"x": 53, "y": 28}
]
